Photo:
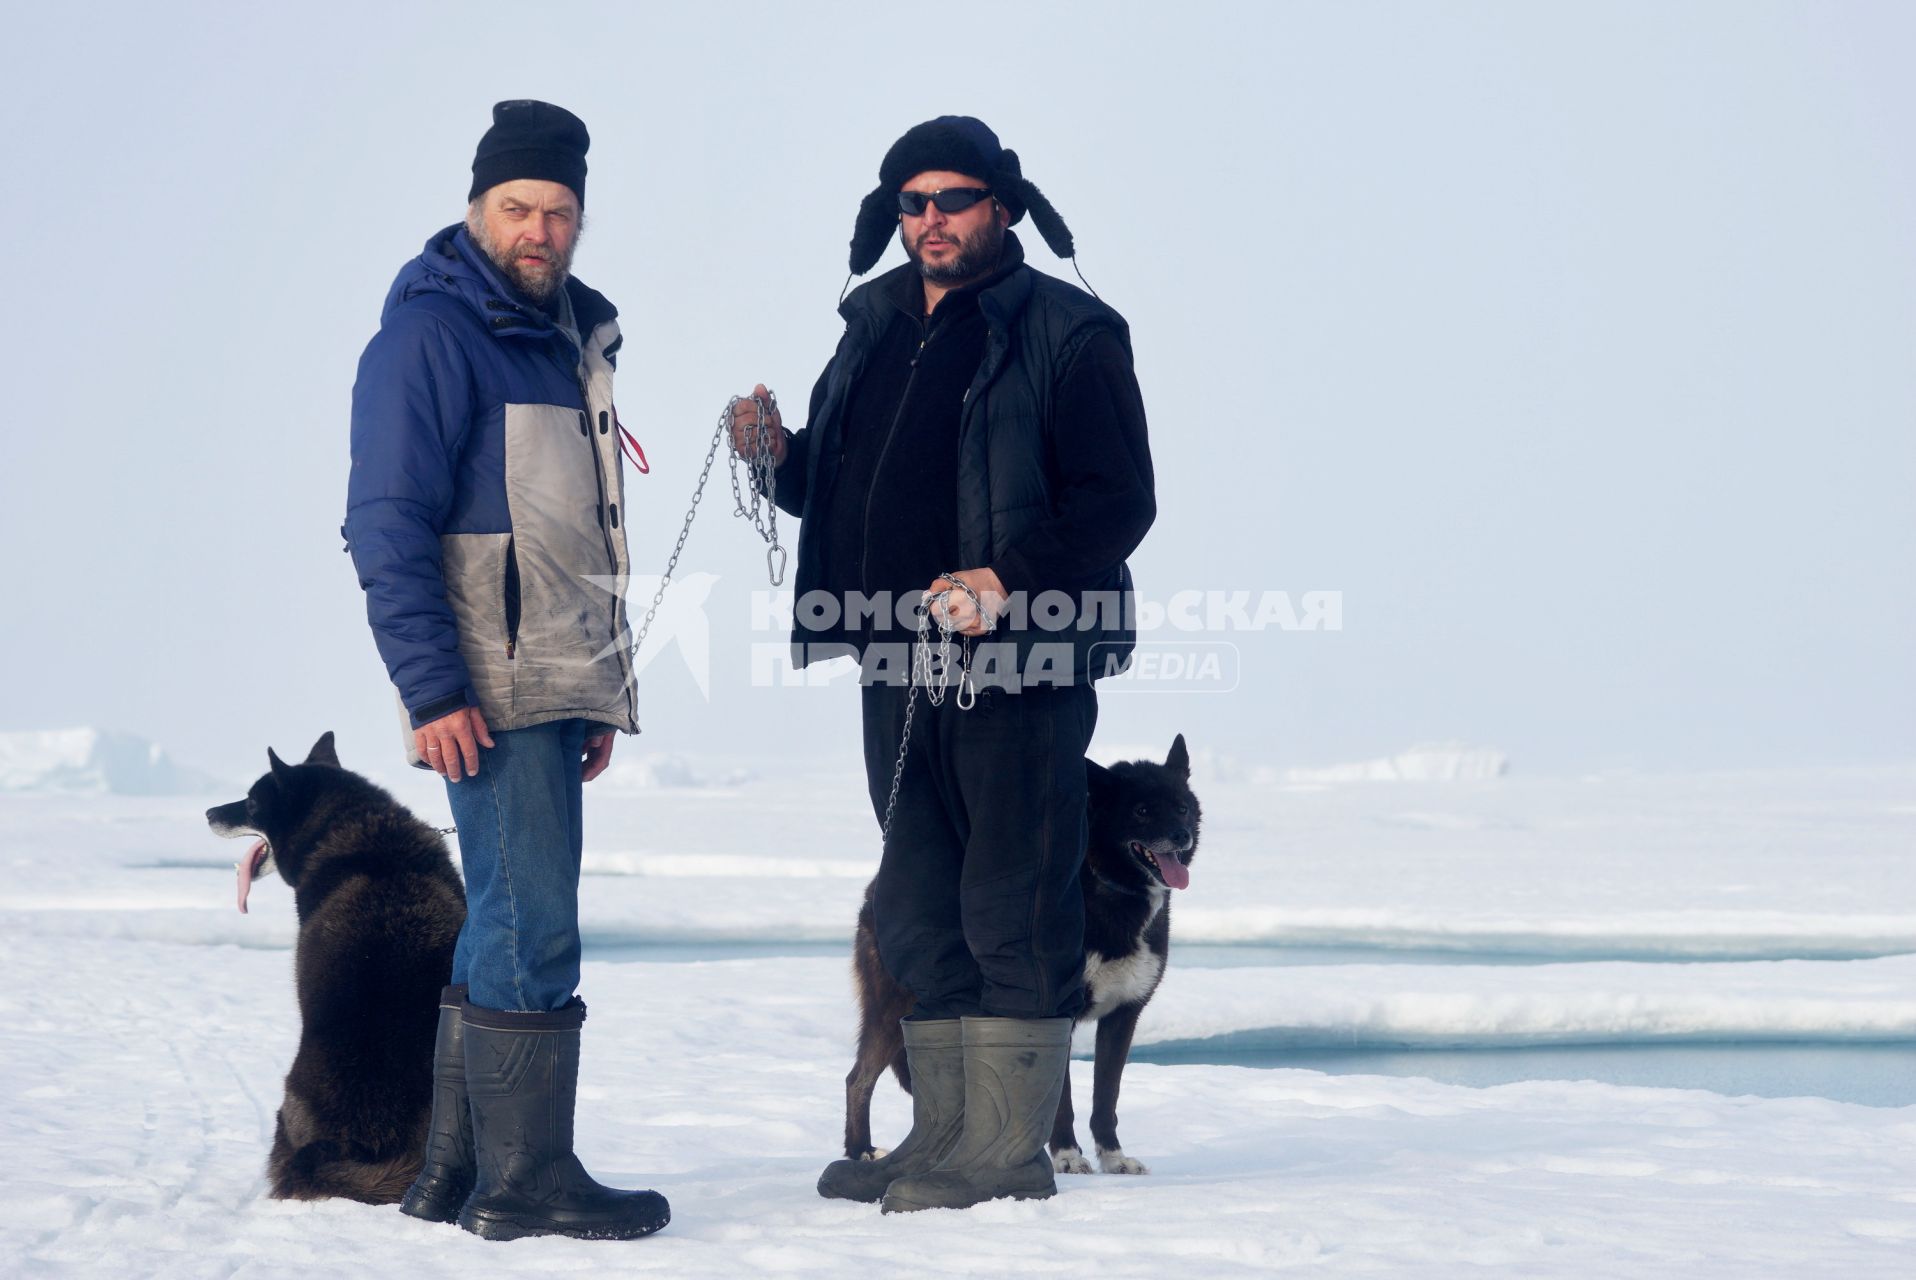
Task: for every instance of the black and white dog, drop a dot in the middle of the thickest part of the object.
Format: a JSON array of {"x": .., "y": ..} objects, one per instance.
[
  {"x": 1144, "y": 830},
  {"x": 380, "y": 907}
]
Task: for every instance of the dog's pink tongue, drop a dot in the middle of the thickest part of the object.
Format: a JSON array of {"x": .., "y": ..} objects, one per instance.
[
  {"x": 248, "y": 868},
  {"x": 1175, "y": 873}
]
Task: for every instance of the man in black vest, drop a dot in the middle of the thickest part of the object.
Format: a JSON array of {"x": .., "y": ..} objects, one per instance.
[{"x": 978, "y": 438}]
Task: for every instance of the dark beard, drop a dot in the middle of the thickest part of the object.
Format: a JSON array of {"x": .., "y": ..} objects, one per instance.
[{"x": 974, "y": 260}]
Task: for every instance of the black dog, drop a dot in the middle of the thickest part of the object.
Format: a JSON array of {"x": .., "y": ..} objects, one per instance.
[
  {"x": 380, "y": 907},
  {"x": 1144, "y": 829}
]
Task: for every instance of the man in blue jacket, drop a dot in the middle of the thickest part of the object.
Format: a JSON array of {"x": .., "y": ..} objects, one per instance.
[
  {"x": 485, "y": 520},
  {"x": 979, "y": 436}
]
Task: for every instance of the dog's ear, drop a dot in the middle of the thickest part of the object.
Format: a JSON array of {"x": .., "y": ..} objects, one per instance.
[
  {"x": 1179, "y": 761},
  {"x": 1096, "y": 776},
  {"x": 281, "y": 770},
  {"x": 322, "y": 752}
]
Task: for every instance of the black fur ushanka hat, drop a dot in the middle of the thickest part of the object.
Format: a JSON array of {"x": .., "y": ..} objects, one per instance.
[{"x": 959, "y": 144}]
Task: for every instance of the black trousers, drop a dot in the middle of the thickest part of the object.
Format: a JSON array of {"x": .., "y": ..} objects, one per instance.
[{"x": 978, "y": 908}]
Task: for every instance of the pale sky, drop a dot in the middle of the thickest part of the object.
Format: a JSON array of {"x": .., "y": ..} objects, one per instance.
[{"x": 1571, "y": 343}]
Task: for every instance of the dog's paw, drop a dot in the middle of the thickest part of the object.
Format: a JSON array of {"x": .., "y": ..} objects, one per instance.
[
  {"x": 1115, "y": 1161},
  {"x": 876, "y": 1153},
  {"x": 1069, "y": 1160}
]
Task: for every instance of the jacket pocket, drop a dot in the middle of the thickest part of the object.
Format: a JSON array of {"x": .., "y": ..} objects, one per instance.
[
  {"x": 478, "y": 575},
  {"x": 512, "y": 598},
  {"x": 474, "y": 567}
]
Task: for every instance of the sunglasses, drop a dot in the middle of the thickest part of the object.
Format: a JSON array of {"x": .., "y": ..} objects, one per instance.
[{"x": 950, "y": 200}]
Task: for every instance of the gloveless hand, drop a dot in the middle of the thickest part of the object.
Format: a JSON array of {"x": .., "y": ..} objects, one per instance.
[
  {"x": 450, "y": 744},
  {"x": 597, "y": 755},
  {"x": 959, "y": 611},
  {"x": 745, "y": 433}
]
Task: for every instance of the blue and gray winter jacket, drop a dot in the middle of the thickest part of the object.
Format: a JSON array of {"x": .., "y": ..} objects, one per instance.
[{"x": 485, "y": 510}]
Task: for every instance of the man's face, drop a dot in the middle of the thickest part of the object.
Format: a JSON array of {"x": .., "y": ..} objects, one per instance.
[
  {"x": 528, "y": 227},
  {"x": 953, "y": 248}
]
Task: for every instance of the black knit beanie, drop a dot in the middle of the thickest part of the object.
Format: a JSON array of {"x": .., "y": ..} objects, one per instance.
[
  {"x": 531, "y": 139},
  {"x": 958, "y": 144}
]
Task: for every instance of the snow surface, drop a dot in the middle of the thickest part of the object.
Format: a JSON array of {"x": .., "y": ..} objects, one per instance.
[
  {"x": 1434, "y": 762},
  {"x": 146, "y": 1027},
  {"x": 638, "y": 771}
]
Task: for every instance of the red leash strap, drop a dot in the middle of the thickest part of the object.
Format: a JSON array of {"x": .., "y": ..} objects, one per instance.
[{"x": 630, "y": 444}]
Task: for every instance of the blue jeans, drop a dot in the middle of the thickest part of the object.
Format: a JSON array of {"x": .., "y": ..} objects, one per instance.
[{"x": 520, "y": 836}]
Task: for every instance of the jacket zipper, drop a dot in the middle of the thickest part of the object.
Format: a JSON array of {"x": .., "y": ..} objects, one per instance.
[{"x": 878, "y": 468}]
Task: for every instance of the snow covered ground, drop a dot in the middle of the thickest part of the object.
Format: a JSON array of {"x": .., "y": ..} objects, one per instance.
[{"x": 146, "y": 1026}]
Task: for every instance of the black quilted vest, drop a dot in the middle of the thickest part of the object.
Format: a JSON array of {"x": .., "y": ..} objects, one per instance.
[{"x": 1034, "y": 326}]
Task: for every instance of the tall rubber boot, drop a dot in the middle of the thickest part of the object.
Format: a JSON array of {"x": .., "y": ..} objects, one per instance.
[
  {"x": 934, "y": 1053},
  {"x": 446, "y": 1179},
  {"x": 522, "y": 1075},
  {"x": 1014, "y": 1074}
]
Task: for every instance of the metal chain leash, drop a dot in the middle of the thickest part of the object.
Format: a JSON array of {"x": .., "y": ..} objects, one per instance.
[
  {"x": 761, "y": 472},
  {"x": 921, "y": 675},
  {"x": 760, "y": 476},
  {"x": 761, "y": 469}
]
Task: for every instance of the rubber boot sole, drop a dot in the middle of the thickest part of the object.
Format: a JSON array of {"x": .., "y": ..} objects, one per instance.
[
  {"x": 832, "y": 1185},
  {"x": 490, "y": 1225},
  {"x": 902, "y": 1204},
  {"x": 441, "y": 1202},
  {"x": 1038, "y": 1188}
]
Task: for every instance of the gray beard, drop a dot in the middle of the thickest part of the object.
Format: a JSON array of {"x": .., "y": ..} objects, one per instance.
[{"x": 540, "y": 290}]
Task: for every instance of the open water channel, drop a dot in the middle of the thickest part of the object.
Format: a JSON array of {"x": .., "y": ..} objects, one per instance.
[{"x": 1881, "y": 1074}]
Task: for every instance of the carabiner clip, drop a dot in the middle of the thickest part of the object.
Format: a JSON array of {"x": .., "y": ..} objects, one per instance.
[
  {"x": 775, "y": 564},
  {"x": 967, "y": 691}
]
